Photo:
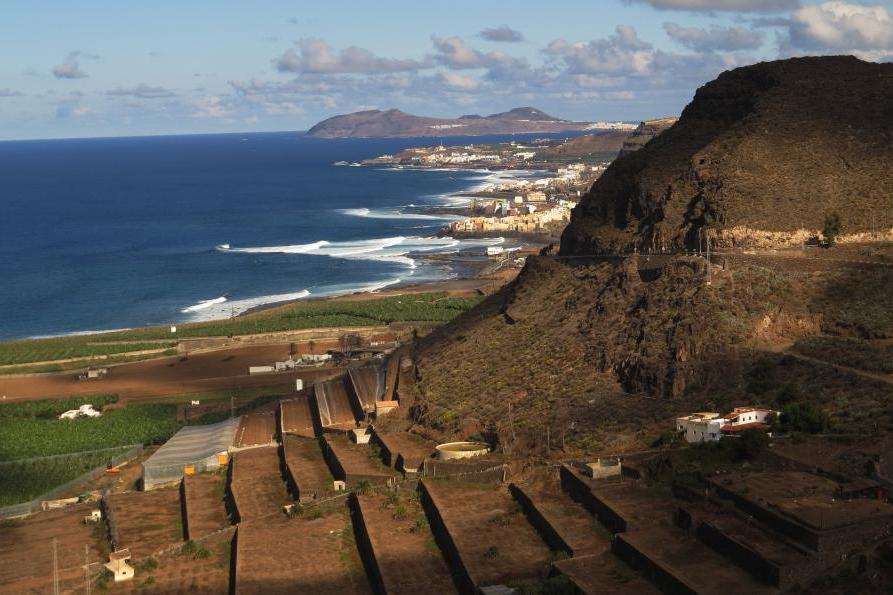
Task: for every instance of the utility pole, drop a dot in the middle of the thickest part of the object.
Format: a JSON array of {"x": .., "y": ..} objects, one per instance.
[
  {"x": 55, "y": 567},
  {"x": 232, "y": 406},
  {"x": 709, "y": 273},
  {"x": 87, "y": 569}
]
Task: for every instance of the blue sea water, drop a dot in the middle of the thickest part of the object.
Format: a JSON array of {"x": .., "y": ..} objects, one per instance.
[{"x": 101, "y": 234}]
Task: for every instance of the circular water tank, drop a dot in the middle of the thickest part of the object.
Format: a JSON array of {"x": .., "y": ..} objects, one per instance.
[{"x": 461, "y": 450}]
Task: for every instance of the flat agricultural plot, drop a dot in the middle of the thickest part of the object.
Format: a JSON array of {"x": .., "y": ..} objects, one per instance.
[
  {"x": 200, "y": 372},
  {"x": 297, "y": 417},
  {"x": 307, "y": 467},
  {"x": 572, "y": 522},
  {"x": 26, "y": 549},
  {"x": 147, "y": 521},
  {"x": 357, "y": 460},
  {"x": 691, "y": 562},
  {"x": 205, "y": 507},
  {"x": 298, "y": 555},
  {"x": 407, "y": 451},
  {"x": 596, "y": 574},
  {"x": 402, "y": 546},
  {"x": 631, "y": 500},
  {"x": 255, "y": 429},
  {"x": 496, "y": 543},
  {"x": 204, "y": 572},
  {"x": 257, "y": 485}
]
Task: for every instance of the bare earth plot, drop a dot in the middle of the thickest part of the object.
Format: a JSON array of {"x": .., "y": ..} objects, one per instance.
[
  {"x": 257, "y": 485},
  {"x": 572, "y": 523},
  {"x": 26, "y": 549},
  {"x": 307, "y": 468},
  {"x": 403, "y": 546},
  {"x": 205, "y": 507},
  {"x": 357, "y": 461},
  {"x": 182, "y": 573},
  {"x": 495, "y": 542},
  {"x": 688, "y": 560},
  {"x": 200, "y": 372},
  {"x": 299, "y": 555},
  {"x": 597, "y": 574},
  {"x": 405, "y": 451},
  {"x": 147, "y": 521},
  {"x": 297, "y": 417},
  {"x": 256, "y": 429}
]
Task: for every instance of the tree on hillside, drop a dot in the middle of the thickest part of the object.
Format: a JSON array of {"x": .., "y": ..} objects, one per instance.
[
  {"x": 831, "y": 229},
  {"x": 804, "y": 417}
]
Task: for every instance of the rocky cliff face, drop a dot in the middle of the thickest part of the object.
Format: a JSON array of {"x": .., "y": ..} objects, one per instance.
[
  {"x": 644, "y": 132},
  {"x": 766, "y": 149},
  {"x": 602, "y": 346}
]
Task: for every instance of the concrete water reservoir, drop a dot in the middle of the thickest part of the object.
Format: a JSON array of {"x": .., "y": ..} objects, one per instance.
[{"x": 461, "y": 450}]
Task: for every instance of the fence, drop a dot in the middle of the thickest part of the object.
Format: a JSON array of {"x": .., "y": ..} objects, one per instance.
[{"x": 35, "y": 504}]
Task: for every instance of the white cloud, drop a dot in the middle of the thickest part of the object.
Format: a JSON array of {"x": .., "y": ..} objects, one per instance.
[
  {"x": 317, "y": 56},
  {"x": 714, "y": 39},
  {"x": 6, "y": 92},
  {"x": 70, "y": 68},
  {"x": 843, "y": 27},
  {"x": 460, "y": 82},
  {"x": 212, "y": 106},
  {"x": 142, "y": 91},
  {"x": 621, "y": 54},
  {"x": 503, "y": 33},
  {"x": 452, "y": 52},
  {"x": 721, "y": 5}
]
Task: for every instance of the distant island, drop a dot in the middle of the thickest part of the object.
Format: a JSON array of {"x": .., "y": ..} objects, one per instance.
[{"x": 385, "y": 123}]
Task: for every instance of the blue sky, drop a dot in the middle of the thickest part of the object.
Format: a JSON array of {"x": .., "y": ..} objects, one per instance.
[{"x": 103, "y": 68}]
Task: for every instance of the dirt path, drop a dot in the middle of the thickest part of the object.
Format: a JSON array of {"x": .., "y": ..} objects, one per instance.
[{"x": 787, "y": 349}]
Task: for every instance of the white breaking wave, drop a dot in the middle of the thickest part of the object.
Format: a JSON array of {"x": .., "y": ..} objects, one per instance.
[
  {"x": 203, "y": 305},
  {"x": 394, "y": 249},
  {"x": 393, "y": 214},
  {"x": 223, "y": 308}
]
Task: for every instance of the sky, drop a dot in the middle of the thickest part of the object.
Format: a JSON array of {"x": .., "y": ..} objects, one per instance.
[{"x": 110, "y": 68}]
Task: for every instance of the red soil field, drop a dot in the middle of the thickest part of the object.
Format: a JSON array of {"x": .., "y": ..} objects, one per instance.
[
  {"x": 257, "y": 485},
  {"x": 26, "y": 549},
  {"x": 183, "y": 573},
  {"x": 299, "y": 556},
  {"x": 256, "y": 428},
  {"x": 205, "y": 508},
  {"x": 495, "y": 541},
  {"x": 402, "y": 546},
  {"x": 297, "y": 416},
  {"x": 200, "y": 372},
  {"x": 307, "y": 467},
  {"x": 147, "y": 521}
]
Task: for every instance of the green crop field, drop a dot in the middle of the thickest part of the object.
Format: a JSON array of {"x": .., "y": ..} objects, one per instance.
[
  {"x": 423, "y": 307},
  {"x": 25, "y": 436},
  {"x": 22, "y": 481},
  {"x": 42, "y": 350}
]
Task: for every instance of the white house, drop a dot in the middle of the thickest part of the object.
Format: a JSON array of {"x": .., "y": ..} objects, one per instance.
[
  {"x": 746, "y": 418},
  {"x": 701, "y": 427}
]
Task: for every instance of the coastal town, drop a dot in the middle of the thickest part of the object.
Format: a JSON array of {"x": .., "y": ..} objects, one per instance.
[{"x": 544, "y": 180}]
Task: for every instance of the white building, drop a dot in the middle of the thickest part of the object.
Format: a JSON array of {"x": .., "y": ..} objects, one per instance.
[
  {"x": 701, "y": 427},
  {"x": 746, "y": 418}
]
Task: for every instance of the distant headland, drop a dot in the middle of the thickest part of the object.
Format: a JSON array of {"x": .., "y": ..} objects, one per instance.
[{"x": 389, "y": 123}]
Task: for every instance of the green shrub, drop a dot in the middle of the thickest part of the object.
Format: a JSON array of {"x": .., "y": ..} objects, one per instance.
[{"x": 804, "y": 417}]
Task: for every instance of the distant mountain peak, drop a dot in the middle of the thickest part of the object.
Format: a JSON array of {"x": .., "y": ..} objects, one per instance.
[{"x": 393, "y": 122}]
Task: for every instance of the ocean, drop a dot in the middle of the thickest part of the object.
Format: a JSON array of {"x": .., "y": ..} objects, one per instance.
[{"x": 105, "y": 234}]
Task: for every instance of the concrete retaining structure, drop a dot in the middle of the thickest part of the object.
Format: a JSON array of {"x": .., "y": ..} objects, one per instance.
[{"x": 606, "y": 511}]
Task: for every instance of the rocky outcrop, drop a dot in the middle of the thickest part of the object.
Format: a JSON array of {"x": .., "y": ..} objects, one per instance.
[
  {"x": 773, "y": 147},
  {"x": 644, "y": 132}
]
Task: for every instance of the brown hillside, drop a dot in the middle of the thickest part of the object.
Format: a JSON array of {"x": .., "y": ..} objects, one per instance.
[
  {"x": 772, "y": 147},
  {"x": 602, "y": 352}
]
